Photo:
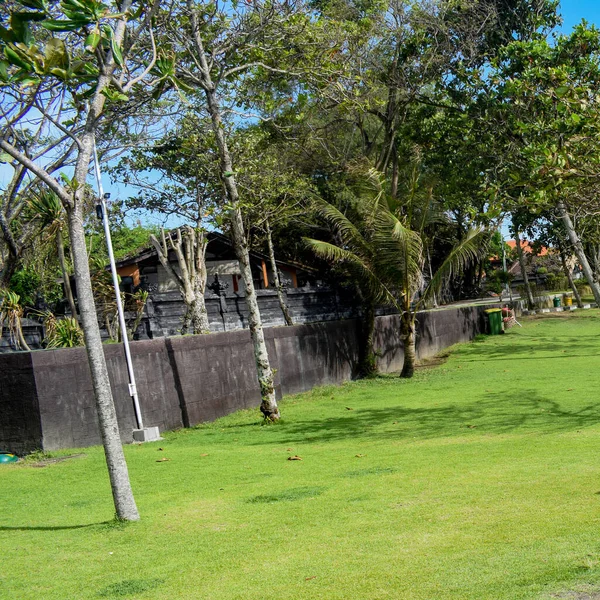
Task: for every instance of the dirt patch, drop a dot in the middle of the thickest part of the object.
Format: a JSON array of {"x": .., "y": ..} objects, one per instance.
[
  {"x": 433, "y": 361},
  {"x": 584, "y": 593},
  {"x": 45, "y": 462},
  {"x": 552, "y": 315}
]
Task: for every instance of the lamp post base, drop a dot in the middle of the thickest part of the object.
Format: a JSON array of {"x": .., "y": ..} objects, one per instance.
[{"x": 148, "y": 434}]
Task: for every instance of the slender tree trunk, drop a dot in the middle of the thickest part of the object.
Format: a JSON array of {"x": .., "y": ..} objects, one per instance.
[
  {"x": 280, "y": 293},
  {"x": 578, "y": 247},
  {"x": 367, "y": 362},
  {"x": 263, "y": 367},
  {"x": 12, "y": 259},
  {"x": 73, "y": 201},
  {"x": 8, "y": 269},
  {"x": 567, "y": 271},
  {"x": 523, "y": 266},
  {"x": 65, "y": 274},
  {"x": 125, "y": 505},
  {"x": 410, "y": 352},
  {"x": 268, "y": 405}
]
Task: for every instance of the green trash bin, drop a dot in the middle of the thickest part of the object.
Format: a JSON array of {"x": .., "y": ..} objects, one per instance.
[
  {"x": 494, "y": 316},
  {"x": 556, "y": 301}
]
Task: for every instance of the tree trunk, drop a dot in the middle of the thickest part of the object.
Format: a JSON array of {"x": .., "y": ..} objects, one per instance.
[
  {"x": 125, "y": 506},
  {"x": 276, "y": 281},
  {"x": 367, "y": 365},
  {"x": 65, "y": 274},
  {"x": 268, "y": 405},
  {"x": 199, "y": 315},
  {"x": 12, "y": 259},
  {"x": 263, "y": 367},
  {"x": 578, "y": 247},
  {"x": 410, "y": 353},
  {"x": 523, "y": 266},
  {"x": 567, "y": 271},
  {"x": 8, "y": 270}
]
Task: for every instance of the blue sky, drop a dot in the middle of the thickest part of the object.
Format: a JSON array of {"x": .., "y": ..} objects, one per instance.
[{"x": 575, "y": 10}]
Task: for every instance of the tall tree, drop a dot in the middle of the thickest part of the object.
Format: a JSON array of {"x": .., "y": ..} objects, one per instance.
[
  {"x": 218, "y": 49},
  {"x": 94, "y": 56}
]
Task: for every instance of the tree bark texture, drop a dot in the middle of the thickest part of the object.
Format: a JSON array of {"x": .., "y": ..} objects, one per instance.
[
  {"x": 367, "y": 363},
  {"x": 276, "y": 282},
  {"x": 523, "y": 266},
  {"x": 579, "y": 252},
  {"x": 410, "y": 352}
]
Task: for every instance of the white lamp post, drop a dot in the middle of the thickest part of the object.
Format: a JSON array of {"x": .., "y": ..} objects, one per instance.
[{"x": 141, "y": 434}]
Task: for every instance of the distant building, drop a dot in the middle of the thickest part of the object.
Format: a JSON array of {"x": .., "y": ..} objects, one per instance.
[{"x": 143, "y": 270}]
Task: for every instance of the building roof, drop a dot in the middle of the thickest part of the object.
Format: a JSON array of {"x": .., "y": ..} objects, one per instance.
[
  {"x": 527, "y": 247},
  {"x": 214, "y": 239}
]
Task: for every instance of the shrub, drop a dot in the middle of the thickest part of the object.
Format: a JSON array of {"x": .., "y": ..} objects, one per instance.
[
  {"x": 62, "y": 333},
  {"x": 25, "y": 283}
]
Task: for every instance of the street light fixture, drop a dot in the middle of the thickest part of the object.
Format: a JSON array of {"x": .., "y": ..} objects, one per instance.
[{"x": 141, "y": 434}]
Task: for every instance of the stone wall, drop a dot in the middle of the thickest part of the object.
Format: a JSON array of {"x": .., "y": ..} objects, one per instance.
[
  {"x": 47, "y": 399},
  {"x": 228, "y": 312}
]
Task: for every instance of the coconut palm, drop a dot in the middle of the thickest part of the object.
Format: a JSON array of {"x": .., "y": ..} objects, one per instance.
[
  {"x": 382, "y": 242},
  {"x": 48, "y": 208}
]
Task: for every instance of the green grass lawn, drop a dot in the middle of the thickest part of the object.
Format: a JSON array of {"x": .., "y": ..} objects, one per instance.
[{"x": 479, "y": 479}]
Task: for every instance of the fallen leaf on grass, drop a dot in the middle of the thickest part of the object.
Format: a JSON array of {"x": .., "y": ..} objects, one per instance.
[
  {"x": 360, "y": 455},
  {"x": 290, "y": 450},
  {"x": 296, "y": 457},
  {"x": 309, "y": 578},
  {"x": 348, "y": 408},
  {"x": 570, "y": 389},
  {"x": 204, "y": 454},
  {"x": 163, "y": 459}
]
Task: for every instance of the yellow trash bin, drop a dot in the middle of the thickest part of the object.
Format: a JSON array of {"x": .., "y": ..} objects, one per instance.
[{"x": 568, "y": 299}]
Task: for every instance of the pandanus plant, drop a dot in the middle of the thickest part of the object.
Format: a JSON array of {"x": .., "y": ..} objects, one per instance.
[
  {"x": 48, "y": 208},
  {"x": 382, "y": 242},
  {"x": 11, "y": 313}
]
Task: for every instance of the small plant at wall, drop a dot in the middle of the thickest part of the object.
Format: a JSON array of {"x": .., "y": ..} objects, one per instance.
[
  {"x": 11, "y": 313},
  {"x": 62, "y": 333}
]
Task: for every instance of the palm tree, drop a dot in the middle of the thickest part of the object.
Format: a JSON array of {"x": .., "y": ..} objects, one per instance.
[
  {"x": 48, "y": 208},
  {"x": 356, "y": 252},
  {"x": 383, "y": 244}
]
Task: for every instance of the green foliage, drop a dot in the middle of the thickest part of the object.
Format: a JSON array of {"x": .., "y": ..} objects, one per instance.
[
  {"x": 62, "y": 333},
  {"x": 127, "y": 241},
  {"x": 25, "y": 283}
]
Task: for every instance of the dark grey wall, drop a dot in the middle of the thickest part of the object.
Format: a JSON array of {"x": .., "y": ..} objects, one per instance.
[
  {"x": 164, "y": 312},
  {"x": 47, "y": 398},
  {"x": 20, "y": 424},
  {"x": 33, "y": 332}
]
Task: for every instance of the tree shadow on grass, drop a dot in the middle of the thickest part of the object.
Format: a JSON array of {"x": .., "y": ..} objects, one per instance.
[
  {"x": 529, "y": 347},
  {"x": 54, "y": 528},
  {"x": 495, "y": 412}
]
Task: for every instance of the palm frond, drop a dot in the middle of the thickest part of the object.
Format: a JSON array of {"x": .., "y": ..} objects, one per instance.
[
  {"x": 399, "y": 253},
  {"x": 374, "y": 287},
  {"x": 471, "y": 248},
  {"x": 349, "y": 233},
  {"x": 48, "y": 208}
]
